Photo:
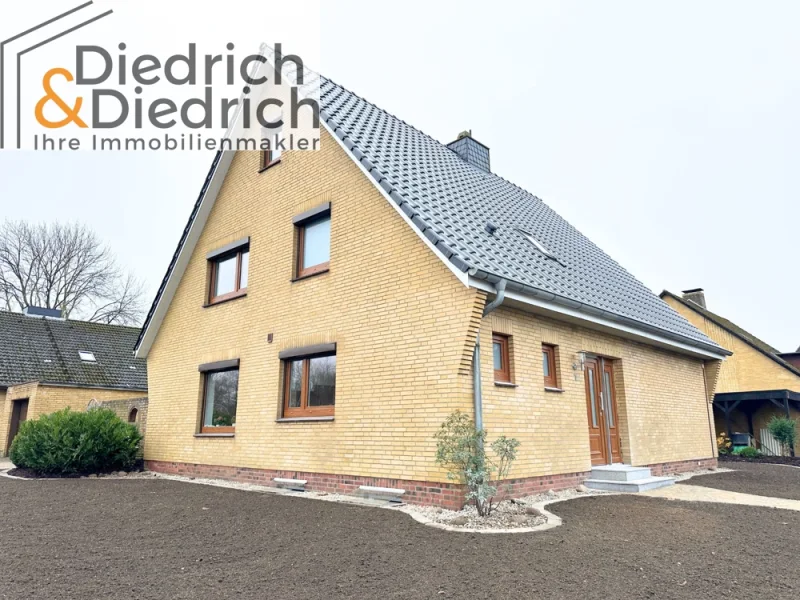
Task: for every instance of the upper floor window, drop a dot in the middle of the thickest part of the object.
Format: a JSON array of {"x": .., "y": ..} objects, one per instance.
[
  {"x": 313, "y": 241},
  {"x": 229, "y": 272},
  {"x": 272, "y": 135},
  {"x": 549, "y": 366},
  {"x": 501, "y": 357},
  {"x": 309, "y": 382}
]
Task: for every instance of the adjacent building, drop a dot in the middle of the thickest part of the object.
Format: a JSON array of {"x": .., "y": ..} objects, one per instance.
[
  {"x": 325, "y": 312},
  {"x": 755, "y": 384},
  {"x": 48, "y": 363}
]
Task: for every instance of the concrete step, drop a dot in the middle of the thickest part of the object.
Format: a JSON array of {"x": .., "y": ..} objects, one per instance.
[
  {"x": 620, "y": 473},
  {"x": 629, "y": 487}
]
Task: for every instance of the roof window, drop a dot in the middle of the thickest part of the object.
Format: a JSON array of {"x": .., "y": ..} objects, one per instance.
[
  {"x": 539, "y": 246},
  {"x": 87, "y": 356}
]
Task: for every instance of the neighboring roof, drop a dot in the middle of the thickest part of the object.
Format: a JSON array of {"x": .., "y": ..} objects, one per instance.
[
  {"x": 46, "y": 350},
  {"x": 732, "y": 328},
  {"x": 449, "y": 201}
]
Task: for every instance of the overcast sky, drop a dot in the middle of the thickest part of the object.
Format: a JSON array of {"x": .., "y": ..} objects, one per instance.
[{"x": 665, "y": 133}]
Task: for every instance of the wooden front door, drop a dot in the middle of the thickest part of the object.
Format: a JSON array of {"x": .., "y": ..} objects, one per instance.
[
  {"x": 19, "y": 413},
  {"x": 601, "y": 408}
]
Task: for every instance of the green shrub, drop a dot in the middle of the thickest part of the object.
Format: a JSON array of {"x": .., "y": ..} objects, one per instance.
[
  {"x": 784, "y": 430},
  {"x": 460, "y": 449},
  {"x": 748, "y": 452},
  {"x": 67, "y": 442}
]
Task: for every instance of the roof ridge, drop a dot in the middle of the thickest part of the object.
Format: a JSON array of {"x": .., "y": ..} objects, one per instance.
[{"x": 68, "y": 320}]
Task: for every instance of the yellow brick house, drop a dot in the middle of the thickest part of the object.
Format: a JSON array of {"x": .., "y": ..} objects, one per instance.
[
  {"x": 755, "y": 384},
  {"x": 325, "y": 312},
  {"x": 48, "y": 363}
]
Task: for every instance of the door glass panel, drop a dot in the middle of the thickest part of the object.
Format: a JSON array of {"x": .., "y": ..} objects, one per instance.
[
  {"x": 592, "y": 398},
  {"x": 607, "y": 396}
]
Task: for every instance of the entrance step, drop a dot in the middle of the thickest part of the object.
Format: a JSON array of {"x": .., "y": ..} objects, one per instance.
[
  {"x": 620, "y": 473},
  {"x": 625, "y": 478}
]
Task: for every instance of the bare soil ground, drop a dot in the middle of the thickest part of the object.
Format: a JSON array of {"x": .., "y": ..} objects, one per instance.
[
  {"x": 157, "y": 539},
  {"x": 754, "y": 478}
]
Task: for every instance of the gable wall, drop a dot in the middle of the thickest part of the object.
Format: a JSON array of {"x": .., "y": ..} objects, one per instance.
[
  {"x": 400, "y": 318},
  {"x": 748, "y": 370}
]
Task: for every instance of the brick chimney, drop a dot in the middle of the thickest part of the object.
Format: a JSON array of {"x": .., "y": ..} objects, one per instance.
[
  {"x": 698, "y": 296},
  {"x": 471, "y": 150}
]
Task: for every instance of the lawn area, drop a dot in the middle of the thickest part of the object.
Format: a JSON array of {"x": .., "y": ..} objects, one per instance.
[
  {"x": 166, "y": 539},
  {"x": 760, "y": 479}
]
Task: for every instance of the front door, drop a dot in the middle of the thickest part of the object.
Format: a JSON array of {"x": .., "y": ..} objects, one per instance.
[
  {"x": 601, "y": 408},
  {"x": 19, "y": 413}
]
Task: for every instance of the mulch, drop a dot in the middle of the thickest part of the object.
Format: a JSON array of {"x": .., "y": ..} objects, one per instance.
[
  {"x": 158, "y": 539},
  {"x": 753, "y": 478}
]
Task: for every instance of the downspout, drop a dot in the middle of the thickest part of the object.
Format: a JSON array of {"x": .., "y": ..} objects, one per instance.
[{"x": 500, "y": 289}]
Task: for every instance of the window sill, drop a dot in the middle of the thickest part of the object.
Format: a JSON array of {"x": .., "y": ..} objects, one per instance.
[
  {"x": 224, "y": 300},
  {"x": 310, "y": 275},
  {"x": 505, "y": 384},
  {"x": 555, "y": 390},
  {"x": 214, "y": 435},
  {"x": 274, "y": 163},
  {"x": 304, "y": 419}
]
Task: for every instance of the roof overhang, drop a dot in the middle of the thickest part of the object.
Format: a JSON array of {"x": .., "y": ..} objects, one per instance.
[
  {"x": 759, "y": 395},
  {"x": 563, "y": 309}
]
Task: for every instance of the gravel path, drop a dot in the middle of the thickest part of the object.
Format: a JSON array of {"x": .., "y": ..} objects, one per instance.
[
  {"x": 155, "y": 539},
  {"x": 754, "y": 478}
]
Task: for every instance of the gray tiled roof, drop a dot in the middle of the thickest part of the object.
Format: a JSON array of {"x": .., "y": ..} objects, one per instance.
[
  {"x": 450, "y": 201},
  {"x": 46, "y": 350}
]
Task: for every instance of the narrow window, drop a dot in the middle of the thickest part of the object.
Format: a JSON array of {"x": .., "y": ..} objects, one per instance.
[
  {"x": 310, "y": 386},
  {"x": 220, "y": 391},
  {"x": 549, "y": 366},
  {"x": 133, "y": 415},
  {"x": 314, "y": 246},
  {"x": 272, "y": 134},
  {"x": 502, "y": 364},
  {"x": 229, "y": 275}
]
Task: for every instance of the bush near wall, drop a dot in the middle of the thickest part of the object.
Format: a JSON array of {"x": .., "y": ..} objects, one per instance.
[{"x": 69, "y": 443}]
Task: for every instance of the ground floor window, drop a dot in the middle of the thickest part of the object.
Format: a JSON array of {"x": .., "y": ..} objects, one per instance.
[
  {"x": 309, "y": 386},
  {"x": 220, "y": 392}
]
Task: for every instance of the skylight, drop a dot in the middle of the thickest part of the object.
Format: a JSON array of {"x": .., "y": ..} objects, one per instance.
[
  {"x": 539, "y": 246},
  {"x": 87, "y": 356}
]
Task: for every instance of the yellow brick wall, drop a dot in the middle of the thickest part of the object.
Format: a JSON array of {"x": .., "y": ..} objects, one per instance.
[
  {"x": 44, "y": 399},
  {"x": 661, "y": 400},
  {"x": 405, "y": 329},
  {"x": 748, "y": 370},
  {"x": 400, "y": 318}
]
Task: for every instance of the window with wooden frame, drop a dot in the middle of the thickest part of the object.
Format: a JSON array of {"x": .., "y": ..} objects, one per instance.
[
  {"x": 228, "y": 272},
  {"x": 220, "y": 394},
  {"x": 501, "y": 357},
  {"x": 309, "y": 388},
  {"x": 272, "y": 135},
  {"x": 549, "y": 366},
  {"x": 313, "y": 241}
]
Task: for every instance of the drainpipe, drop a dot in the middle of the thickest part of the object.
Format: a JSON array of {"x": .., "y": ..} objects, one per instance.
[{"x": 500, "y": 289}]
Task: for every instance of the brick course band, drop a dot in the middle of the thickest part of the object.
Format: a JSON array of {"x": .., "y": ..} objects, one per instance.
[{"x": 446, "y": 495}]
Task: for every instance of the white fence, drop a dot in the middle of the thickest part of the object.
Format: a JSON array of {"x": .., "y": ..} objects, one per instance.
[{"x": 769, "y": 445}]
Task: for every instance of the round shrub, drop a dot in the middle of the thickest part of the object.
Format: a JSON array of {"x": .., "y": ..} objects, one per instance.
[{"x": 67, "y": 443}]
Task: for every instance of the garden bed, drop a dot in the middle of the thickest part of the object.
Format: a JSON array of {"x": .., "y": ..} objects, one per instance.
[
  {"x": 29, "y": 474},
  {"x": 749, "y": 477}
]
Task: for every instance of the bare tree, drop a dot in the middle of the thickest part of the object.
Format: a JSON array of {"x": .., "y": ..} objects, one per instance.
[{"x": 65, "y": 267}]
